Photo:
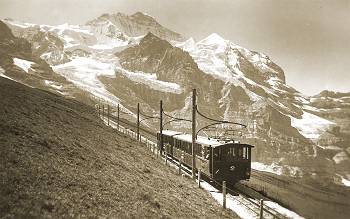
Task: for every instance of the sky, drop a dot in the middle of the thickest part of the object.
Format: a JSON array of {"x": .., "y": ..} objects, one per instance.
[{"x": 309, "y": 39}]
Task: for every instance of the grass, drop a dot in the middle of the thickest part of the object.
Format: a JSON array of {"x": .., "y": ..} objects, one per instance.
[{"x": 58, "y": 160}]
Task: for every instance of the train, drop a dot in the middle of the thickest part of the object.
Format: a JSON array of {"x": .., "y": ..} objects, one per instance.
[{"x": 228, "y": 161}]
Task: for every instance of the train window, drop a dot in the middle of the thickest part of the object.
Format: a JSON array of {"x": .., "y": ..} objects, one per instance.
[
  {"x": 216, "y": 154},
  {"x": 240, "y": 152},
  {"x": 244, "y": 153},
  {"x": 231, "y": 152}
]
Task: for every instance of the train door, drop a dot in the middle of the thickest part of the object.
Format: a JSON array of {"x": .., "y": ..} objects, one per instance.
[{"x": 219, "y": 163}]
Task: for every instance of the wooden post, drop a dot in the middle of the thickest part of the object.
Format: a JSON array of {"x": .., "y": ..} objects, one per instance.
[
  {"x": 138, "y": 121},
  {"x": 99, "y": 110},
  {"x": 199, "y": 178},
  {"x": 261, "y": 209},
  {"x": 179, "y": 167},
  {"x": 194, "y": 108},
  {"x": 108, "y": 111},
  {"x": 118, "y": 118},
  {"x": 161, "y": 126},
  {"x": 103, "y": 111},
  {"x": 224, "y": 194},
  {"x": 166, "y": 154},
  {"x": 180, "y": 162}
]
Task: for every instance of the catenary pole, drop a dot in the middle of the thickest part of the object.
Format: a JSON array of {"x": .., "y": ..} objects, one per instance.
[
  {"x": 118, "y": 117},
  {"x": 138, "y": 121},
  {"x": 194, "y": 108},
  {"x": 161, "y": 126}
]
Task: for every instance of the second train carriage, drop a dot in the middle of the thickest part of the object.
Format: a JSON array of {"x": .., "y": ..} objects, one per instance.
[{"x": 221, "y": 161}]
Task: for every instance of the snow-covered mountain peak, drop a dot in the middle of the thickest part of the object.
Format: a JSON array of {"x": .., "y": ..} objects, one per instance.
[
  {"x": 138, "y": 24},
  {"x": 187, "y": 45},
  {"x": 142, "y": 16},
  {"x": 214, "y": 38}
]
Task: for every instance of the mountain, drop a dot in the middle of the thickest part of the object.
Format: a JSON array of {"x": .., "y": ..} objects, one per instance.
[
  {"x": 126, "y": 59},
  {"x": 20, "y": 61},
  {"x": 232, "y": 96},
  {"x": 335, "y": 142},
  {"x": 137, "y": 24},
  {"x": 43, "y": 44}
]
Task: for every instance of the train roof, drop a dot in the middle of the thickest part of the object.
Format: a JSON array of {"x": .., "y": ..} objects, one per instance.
[
  {"x": 199, "y": 140},
  {"x": 170, "y": 132}
]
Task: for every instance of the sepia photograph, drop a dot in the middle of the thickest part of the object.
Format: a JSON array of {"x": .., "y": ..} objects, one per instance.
[{"x": 175, "y": 109}]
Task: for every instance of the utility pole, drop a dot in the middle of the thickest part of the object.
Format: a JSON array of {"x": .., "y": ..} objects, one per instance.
[
  {"x": 99, "y": 110},
  {"x": 108, "y": 114},
  {"x": 138, "y": 121},
  {"x": 194, "y": 109},
  {"x": 103, "y": 111},
  {"x": 161, "y": 126},
  {"x": 118, "y": 117}
]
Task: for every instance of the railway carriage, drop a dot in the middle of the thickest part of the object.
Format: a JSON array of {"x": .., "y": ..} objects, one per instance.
[{"x": 221, "y": 161}]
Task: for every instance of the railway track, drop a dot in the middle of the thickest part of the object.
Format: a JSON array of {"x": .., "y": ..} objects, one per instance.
[{"x": 241, "y": 193}]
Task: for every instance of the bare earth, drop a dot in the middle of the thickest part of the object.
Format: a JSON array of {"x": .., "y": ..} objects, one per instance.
[{"x": 58, "y": 160}]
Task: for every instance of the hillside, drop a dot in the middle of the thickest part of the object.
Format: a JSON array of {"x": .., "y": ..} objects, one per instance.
[{"x": 59, "y": 160}]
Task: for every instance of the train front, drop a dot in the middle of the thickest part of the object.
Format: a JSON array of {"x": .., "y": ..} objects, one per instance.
[{"x": 231, "y": 162}]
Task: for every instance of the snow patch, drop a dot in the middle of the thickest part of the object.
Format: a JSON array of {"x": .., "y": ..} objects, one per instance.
[
  {"x": 151, "y": 81},
  {"x": 311, "y": 108},
  {"x": 23, "y": 64},
  {"x": 19, "y": 23},
  {"x": 231, "y": 202},
  {"x": 273, "y": 168},
  {"x": 2, "y": 74},
  {"x": 84, "y": 72},
  {"x": 277, "y": 169},
  {"x": 109, "y": 45},
  {"x": 284, "y": 211},
  {"x": 310, "y": 125},
  {"x": 340, "y": 157},
  {"x": 346, "y": 182},
  {"x": 54, "y": 84}
]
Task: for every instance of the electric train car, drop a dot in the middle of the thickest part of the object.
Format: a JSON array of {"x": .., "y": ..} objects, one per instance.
[{"x": 221, "y": 161}]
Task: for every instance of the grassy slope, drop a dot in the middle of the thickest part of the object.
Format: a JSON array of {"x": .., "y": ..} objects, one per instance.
[{"x": 58, "y": 160}]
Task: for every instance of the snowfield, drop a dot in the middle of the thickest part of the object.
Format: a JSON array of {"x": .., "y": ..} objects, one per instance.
[
  {"x": 277, "y": 169},
  {"x": 53, "y": 84},
  {"x": 84, "y": 72},
  {"x": 23, "y": 64},
  {"x": 346, "y": 182},
  {"x": 150, "y": 80},
  {"x": 310, "y": 125}
]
